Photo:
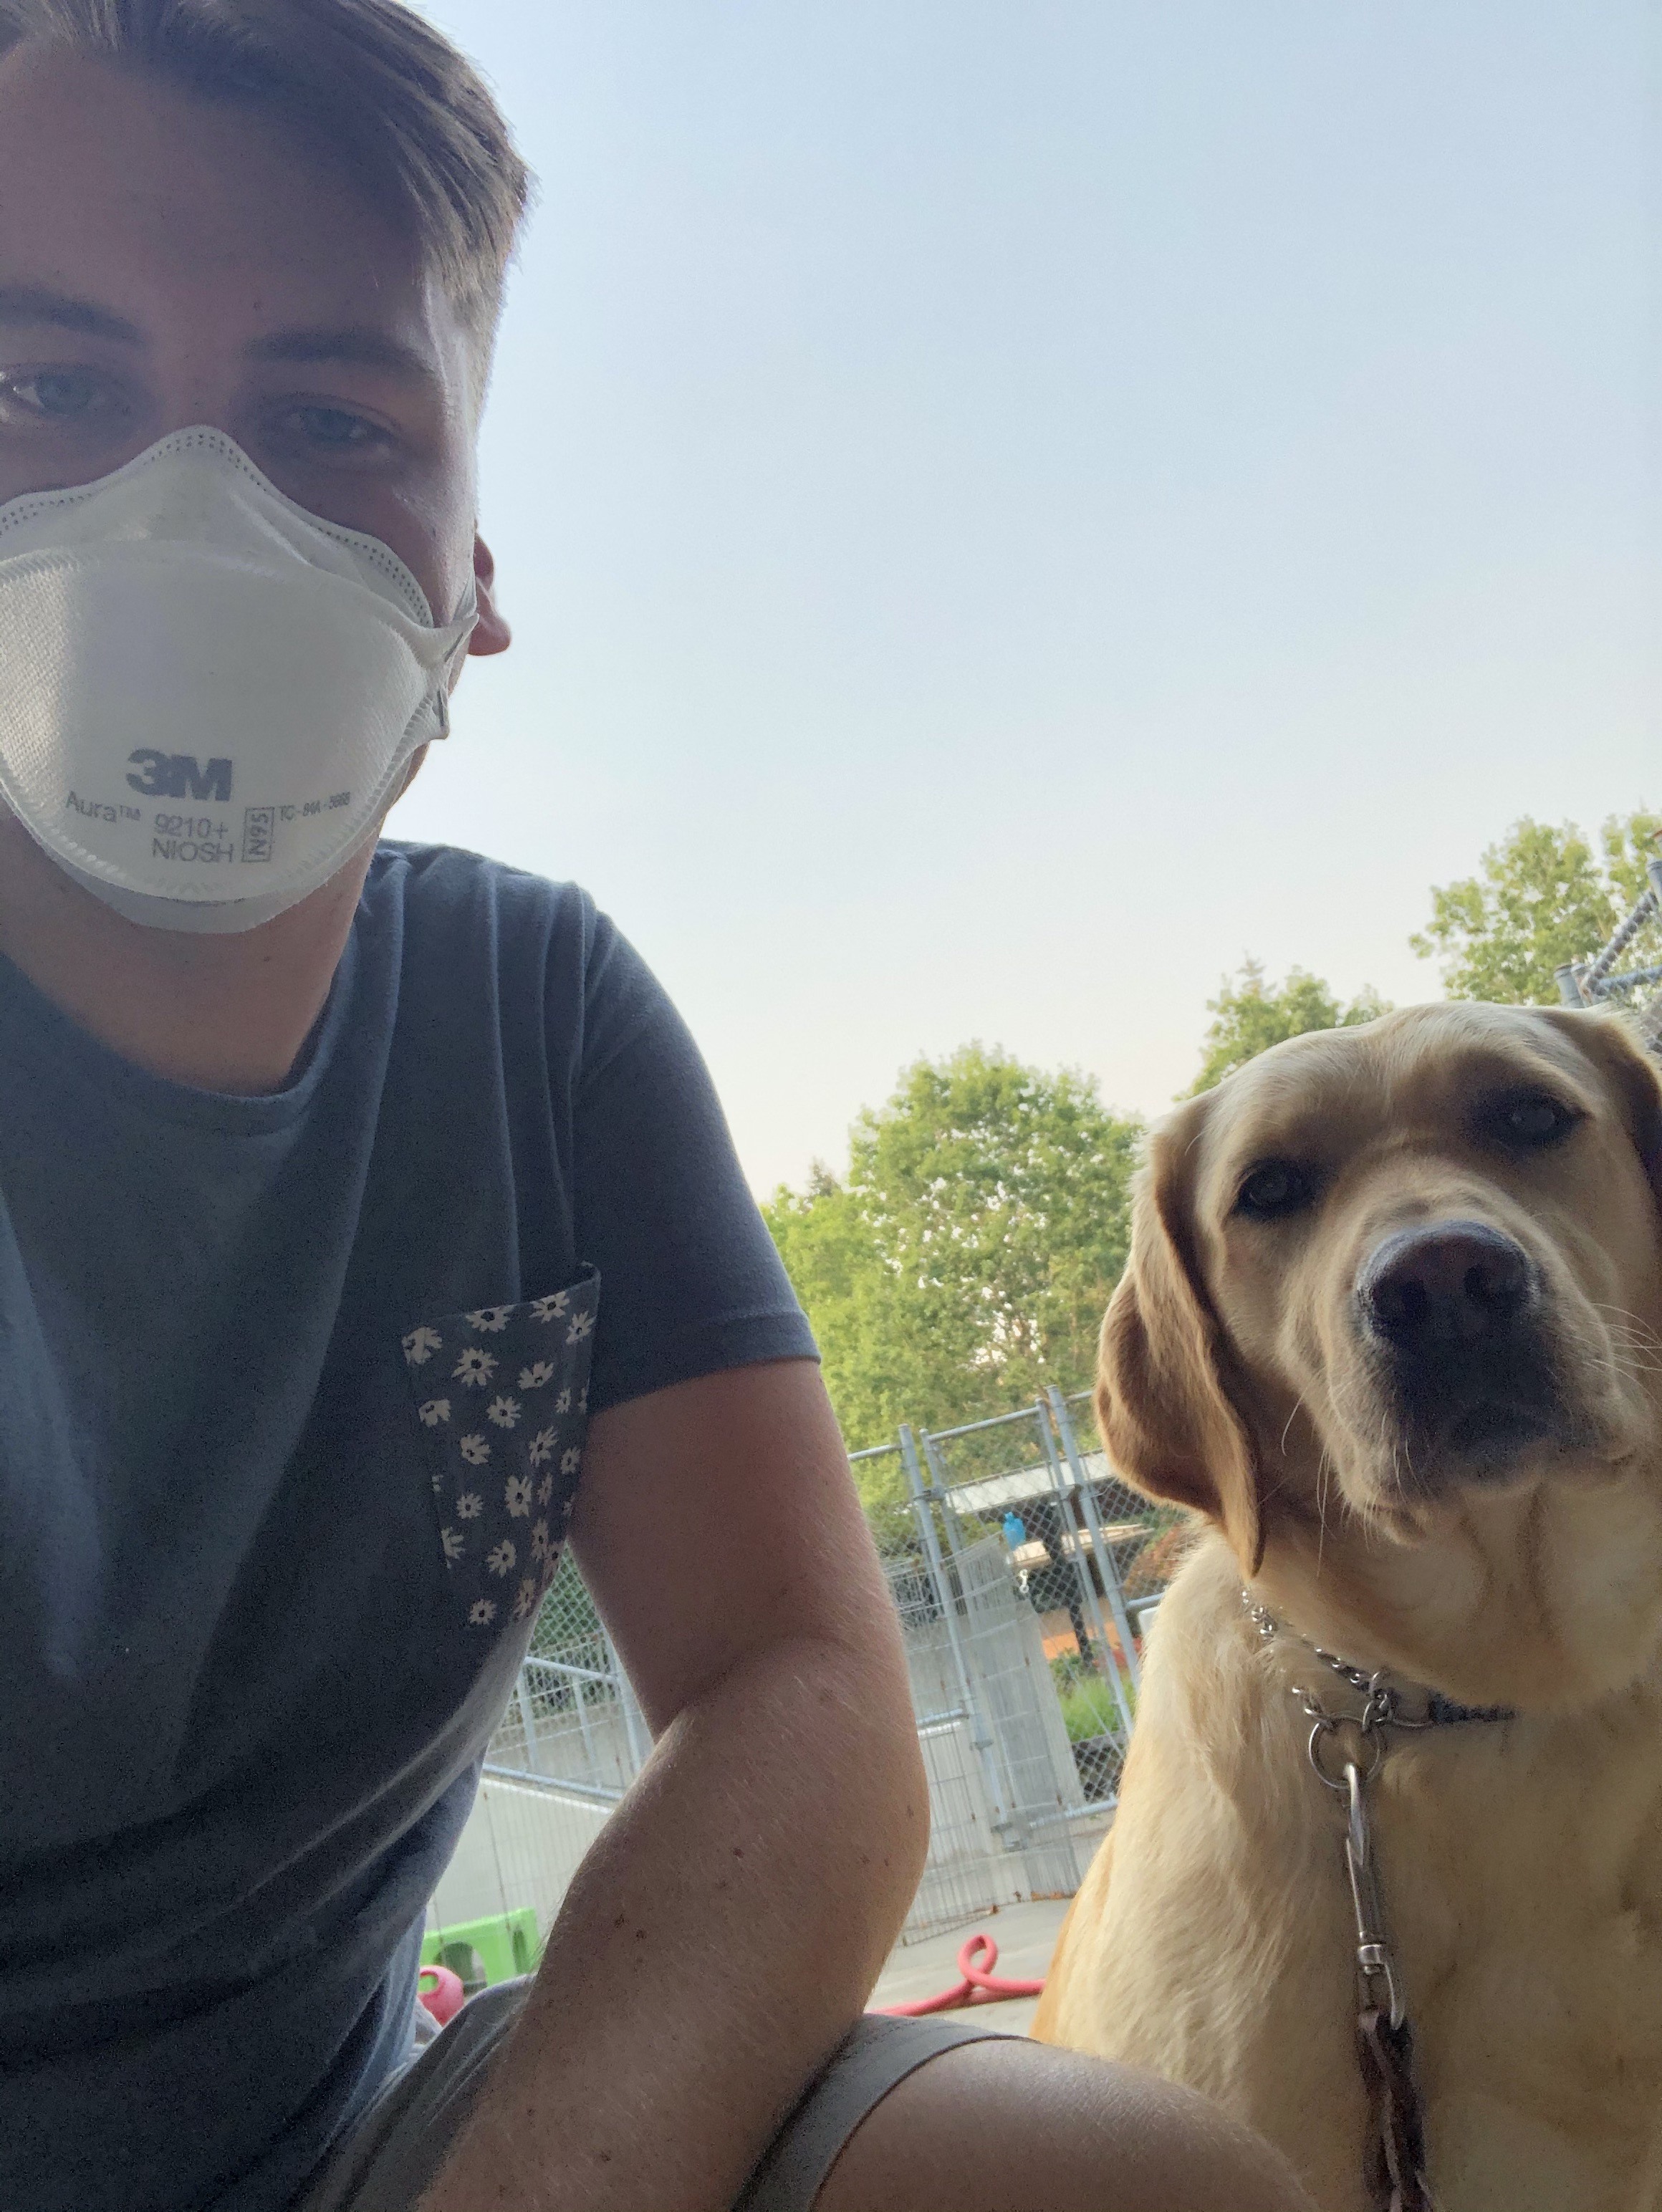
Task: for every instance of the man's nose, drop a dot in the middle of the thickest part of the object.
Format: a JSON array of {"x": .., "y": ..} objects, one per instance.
[{"x": 1446, "y": 1283}]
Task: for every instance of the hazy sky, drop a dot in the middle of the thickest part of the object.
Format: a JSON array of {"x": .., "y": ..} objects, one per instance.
[{"x": 1008, "y": 508}]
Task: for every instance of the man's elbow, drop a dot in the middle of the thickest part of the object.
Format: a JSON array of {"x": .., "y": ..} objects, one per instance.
[{"x": 889, "y": 1783}]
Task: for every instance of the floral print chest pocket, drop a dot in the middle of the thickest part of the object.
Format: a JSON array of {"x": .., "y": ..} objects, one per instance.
[{"x": 502, "y": 1398}]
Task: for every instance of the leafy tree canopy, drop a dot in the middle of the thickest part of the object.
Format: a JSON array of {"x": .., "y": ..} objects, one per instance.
[
  {"x": 964, "y": 1260},
  {"x": 1249, "y": 1015},
  {"x": 1541, "y": 895}
]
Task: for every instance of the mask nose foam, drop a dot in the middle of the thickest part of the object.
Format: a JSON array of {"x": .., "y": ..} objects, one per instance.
[{"x": 208, "y": 695}]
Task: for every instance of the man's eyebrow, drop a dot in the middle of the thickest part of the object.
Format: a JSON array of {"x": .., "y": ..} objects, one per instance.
[
  {"x": 33, "y": 303},
  {"x": 354, "y": 345}
]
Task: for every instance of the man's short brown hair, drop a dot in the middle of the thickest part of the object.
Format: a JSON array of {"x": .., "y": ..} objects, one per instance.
[{"x": 368, "y": 83}]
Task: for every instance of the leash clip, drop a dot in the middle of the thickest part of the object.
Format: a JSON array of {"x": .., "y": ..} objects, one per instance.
[{"x": 1374, "y": 1963}]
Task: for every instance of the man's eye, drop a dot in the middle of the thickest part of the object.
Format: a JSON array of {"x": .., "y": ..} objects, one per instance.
[
  {"x": 1275, "y": 1188},
  {"x": 1534, "y": 1119},
  {"x": 56, "y": 395},
  {"x": 335, "y": 429}
]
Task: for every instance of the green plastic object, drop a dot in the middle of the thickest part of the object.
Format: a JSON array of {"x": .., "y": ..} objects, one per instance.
[{"x": 485, "y": 1951}]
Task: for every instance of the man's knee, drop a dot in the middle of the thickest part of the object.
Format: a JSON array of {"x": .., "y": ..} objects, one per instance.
[{"x": 1013, "y": 2126}]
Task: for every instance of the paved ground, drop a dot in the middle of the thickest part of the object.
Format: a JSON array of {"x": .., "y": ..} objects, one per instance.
[{"x": 1026, "y": 1935}]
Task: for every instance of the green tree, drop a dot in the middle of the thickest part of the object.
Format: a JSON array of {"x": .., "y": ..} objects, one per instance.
[
  {"x": 964, "y": 1260},
  {"x": 1541, "y": 896},
  {"x": 832, "y": 1259},
  {"x": 1249, "y": 1015}
]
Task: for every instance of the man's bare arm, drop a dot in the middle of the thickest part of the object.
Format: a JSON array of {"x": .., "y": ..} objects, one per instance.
[{"x": 724, "y": 1931}]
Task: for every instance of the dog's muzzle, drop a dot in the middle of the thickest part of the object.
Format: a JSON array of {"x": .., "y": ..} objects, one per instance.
[{"x": 1453, "y": 1313}]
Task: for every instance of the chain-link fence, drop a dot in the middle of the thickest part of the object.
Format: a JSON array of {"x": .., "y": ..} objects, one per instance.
[
  {"x": 1022, "y": 1571},
  {"x": 1001, "y": 1781},
  {"x": 1598, "y": 981}
]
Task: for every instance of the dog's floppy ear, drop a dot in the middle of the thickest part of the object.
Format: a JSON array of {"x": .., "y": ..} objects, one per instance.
[
  {"x": 1166, "y": 1415},
  {"x": 1616, "y": 1044}
]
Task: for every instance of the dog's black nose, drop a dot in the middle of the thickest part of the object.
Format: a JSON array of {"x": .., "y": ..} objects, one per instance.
[{"x": 1446, "y": 1284}]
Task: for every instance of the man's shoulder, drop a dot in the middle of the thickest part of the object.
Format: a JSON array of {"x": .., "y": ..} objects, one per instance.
[
  {"x": 526, "y": 953},
  {"x": 459, "y": 912},
  {"x": 447, "y": 880}
]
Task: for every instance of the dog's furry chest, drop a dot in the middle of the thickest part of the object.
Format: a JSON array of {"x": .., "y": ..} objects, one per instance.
[{"x": 1521, "y": 1868}]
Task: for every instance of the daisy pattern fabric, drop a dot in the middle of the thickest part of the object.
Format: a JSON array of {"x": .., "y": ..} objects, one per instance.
[{"x": 502, "y": 1396}]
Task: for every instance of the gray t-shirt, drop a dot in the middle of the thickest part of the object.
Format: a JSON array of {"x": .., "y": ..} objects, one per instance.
[{"x": 292, "y": 1394}]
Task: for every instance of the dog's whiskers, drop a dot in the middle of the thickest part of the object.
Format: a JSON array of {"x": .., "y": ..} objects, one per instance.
[
  {"x": 1629, "y": 1330},
  {"x": 1626, "y": 1347},
  {"x": 1298, "y": 1407},
  {"x": 1325, "y": 1472}
]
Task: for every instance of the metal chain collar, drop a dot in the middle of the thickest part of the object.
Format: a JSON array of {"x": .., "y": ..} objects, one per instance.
[
  {"x": 1396, "y": 2160},
  {"x": 1383, "y": 1708}
]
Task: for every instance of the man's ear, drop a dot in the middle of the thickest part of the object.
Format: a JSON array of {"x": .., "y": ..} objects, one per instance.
[
  {"x": 491, "y": 633},
  {"x": 1165, "y": 1416}
]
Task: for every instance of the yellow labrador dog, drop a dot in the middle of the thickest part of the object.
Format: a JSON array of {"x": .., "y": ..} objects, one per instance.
[{"x": 1392, "y": 1324}]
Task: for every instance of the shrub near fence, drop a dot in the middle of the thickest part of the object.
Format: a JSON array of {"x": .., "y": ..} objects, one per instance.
[{"x": 1021, "y": 1569}]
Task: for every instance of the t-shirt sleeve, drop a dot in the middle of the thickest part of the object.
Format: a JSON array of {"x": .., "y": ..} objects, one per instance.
[{"x": 690, "y": 1282}]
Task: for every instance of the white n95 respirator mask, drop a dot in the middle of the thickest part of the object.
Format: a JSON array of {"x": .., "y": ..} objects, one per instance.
[{"x": 207, "y": 696}]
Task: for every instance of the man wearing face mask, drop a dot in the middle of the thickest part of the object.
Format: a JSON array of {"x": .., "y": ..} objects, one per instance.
[{"x": 356, "y": 1200}]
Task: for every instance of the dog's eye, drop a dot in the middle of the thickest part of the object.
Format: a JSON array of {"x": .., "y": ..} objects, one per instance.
[
  {"x": 1276, "y": 1187},
  {"x": 1533, "y": 1119}
]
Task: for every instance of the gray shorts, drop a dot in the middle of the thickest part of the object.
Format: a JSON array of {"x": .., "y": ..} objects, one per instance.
[{"x": 393, "y": 2155}]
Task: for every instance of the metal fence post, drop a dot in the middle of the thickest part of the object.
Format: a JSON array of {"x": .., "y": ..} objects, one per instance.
[
  {"x": 1110, "y": 1580},
  {"x": 981, "y": 1736},
  {"x": 522, "y": 1697},
  {"x": 1092, "y": 1603},
  {"x": 636, "y": 1732},
  {"x": 580, "y": 1698},
  {"x": 1569, "y": 988},
  {"x": 1083, "y": 1570},
  {"x": 943, "y": 1491}
]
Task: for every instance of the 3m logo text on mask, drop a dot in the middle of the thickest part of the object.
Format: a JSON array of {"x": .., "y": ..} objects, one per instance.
[{"x": 179, "y": 775}]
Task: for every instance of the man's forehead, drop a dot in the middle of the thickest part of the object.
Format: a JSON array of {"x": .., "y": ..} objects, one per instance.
[
  {"x": 125, "y": 198},
  {"x": 1323, "y": 1093}
]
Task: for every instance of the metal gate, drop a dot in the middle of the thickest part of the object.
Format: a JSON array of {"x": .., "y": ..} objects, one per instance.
[{"x": 1021, "y": 1569}]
